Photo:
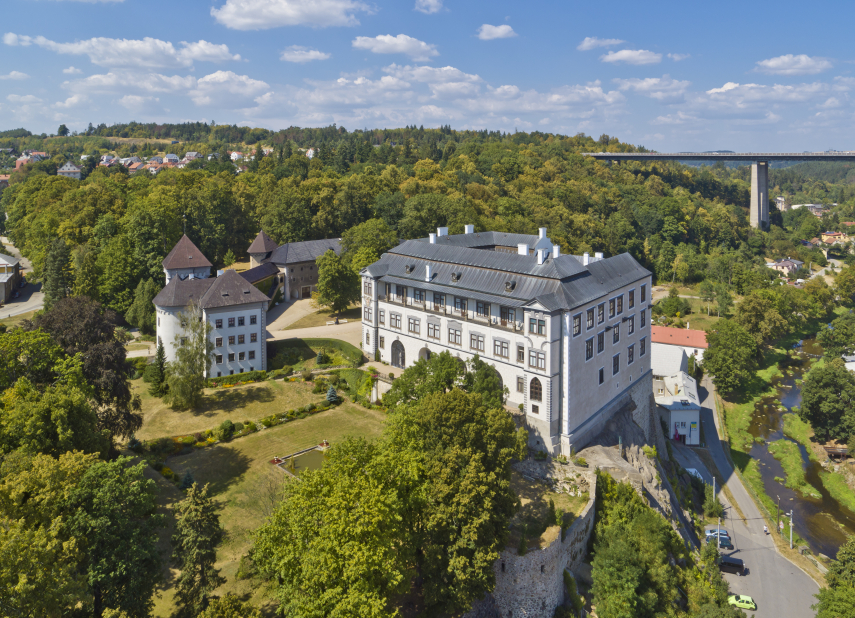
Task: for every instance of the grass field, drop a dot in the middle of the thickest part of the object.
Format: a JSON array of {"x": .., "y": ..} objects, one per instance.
[
  {"x": 250, "y": 402},
  {"x": 320, "y": 318},
  {"x": 15, "y": 320},
  {"x": 247, "y": 486},
  {"x": 790, "y": 456}
]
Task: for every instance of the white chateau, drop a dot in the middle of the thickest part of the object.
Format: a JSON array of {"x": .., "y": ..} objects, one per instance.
[
  {"x": 236, "y": 310},
  {"x": 568, "y": 335}
]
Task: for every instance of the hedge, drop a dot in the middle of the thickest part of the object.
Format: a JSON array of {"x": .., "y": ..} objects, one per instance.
[{"x": 249, "y": 376}]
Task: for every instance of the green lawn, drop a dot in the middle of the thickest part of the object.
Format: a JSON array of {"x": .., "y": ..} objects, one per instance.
[
  {"x": 247, "y": 486},
  {"x": 790, "y": 456},
  {"x": 16, "y": 320},
  {"x": 320, "y": 318},
  {"x": 249, "y": 402}
]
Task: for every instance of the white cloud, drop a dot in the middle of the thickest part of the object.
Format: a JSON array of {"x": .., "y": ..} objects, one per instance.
[
  {"x": 655, "y": 87},
  {"x": 96, "y": 1},
  {"x": 793, "y": 65},
  {"x": 429, "y": 6},
  {"x": 488, "y": 32},
  {"x": 742, "y": 95},
  {"x": 430, "y": 75},
  {"x": 678, "y": 57},
  {"x": 139, "y": 104},
  {"x": 726, "y": 87},
  {"x": 401, "y": 44},
  {"x": 632, "y": 56},
  {"x": 592, "y": 42},
  {"x": 72, "y": 101},
  {"x": 124, "y": 80},
  {"x": 146, "y": 53},
  {"x": 26, "y": 98},
  {"x": 15, "y": 75},
  {"x": 830, "y": 103},
  {"x": 71, "y": 71},
  {"x": 226, "y": 82},
  {"x": 678, "y": 118},
  {"x": 300, "y": 54},
  {"x": 265, "y": 14}
]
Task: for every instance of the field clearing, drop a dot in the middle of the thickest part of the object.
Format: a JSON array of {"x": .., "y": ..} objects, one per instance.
[
  {"x": 320, "y": 318},
  {"x": 249, "y": 402},
  {"x": 247, "y": 486},
  {"x": 16, "y": 320}
]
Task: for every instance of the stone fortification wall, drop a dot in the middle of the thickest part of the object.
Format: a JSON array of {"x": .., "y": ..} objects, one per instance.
[{"x": 532, "y": 586}]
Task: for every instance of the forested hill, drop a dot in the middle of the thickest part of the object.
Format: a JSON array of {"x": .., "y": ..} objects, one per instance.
[{"x": 683, "y": 223}]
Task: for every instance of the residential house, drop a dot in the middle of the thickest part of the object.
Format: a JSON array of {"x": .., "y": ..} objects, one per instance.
[
  {"x": 786, "y": 265},
  {"x": 781, "y": 203},
  {"x": 170, "y": 158},
  {"x": 677, "y": 400},
  {"x": 69, "y": 170},
  {"x": 692, "y": 342},
  {"x": 133, "y": 168},
  {"x": 155, "y": 159},
  {"x": 25, "y": 159},
  {"x": 807, "y": 244},
  {"x": 214, "y": 155},
  {"x": 235, "y": 309},
  {"x": 833, "y": 237},
  {"x": 296, "y": 262},
  {"x": 10, "y": 276},
  {"x": 265, "y": 277},
  {"x": 236, "y": 156},
  {"x": 127, "y": 161},
  {"x": 192, "y": 155},
  {"x": 107, "y": 157},
  {"x": 4, "y": 181},
  {"x": 667, "y": 360},
  {"x": 568, "y": 335},
  {"x": 311, "y": 152}
]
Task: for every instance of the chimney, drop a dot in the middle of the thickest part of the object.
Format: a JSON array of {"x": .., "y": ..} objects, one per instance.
[
  {"x": 599, "y": 256},
  {"x": 522, "y": 249},
  {"x": 541, "y": 233},
  {"x": 556, "y": 251},
  {"x": 469, "y": 229},
  {"x": 432, "y": 238},
  {"x": 427, "y": 273},
  {"x": 442, "y": 231},
  {"x": 586, "y": 259},
  {"x": 541, "y": 256}
]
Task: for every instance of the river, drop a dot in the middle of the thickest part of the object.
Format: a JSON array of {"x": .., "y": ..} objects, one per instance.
[{"x": 823, "y": 522}]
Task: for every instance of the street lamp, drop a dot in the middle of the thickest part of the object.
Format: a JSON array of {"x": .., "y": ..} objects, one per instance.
[
  {"x": 791, "y": 528},
  {"x": 777, "y": 511}
]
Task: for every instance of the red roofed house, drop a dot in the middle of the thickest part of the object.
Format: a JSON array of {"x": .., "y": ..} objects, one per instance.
[
  {"x": 693, "y": 342},
  {"x": 832, "y": 237}
]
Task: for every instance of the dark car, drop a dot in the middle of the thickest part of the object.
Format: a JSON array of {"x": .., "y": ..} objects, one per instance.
[
  {"x": 729, "y": 564},
  {"x": 723, "y": 541}
]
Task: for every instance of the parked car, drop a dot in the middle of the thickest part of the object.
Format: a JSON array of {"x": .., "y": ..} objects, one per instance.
[
  {"x": 721, "y": 541},
  {"x": 719, "y": 532},
  {"x": 729, "y": 564},
  {"x": 742, "y": 601}
]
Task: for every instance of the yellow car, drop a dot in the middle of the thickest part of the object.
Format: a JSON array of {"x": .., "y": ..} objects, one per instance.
[{"x": 741, "y": 601}]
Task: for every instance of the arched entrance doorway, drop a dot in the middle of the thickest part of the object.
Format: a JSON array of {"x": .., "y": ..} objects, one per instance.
[
  {"x": 424, "y": 354},
  {"x": 398, "y": 357}
]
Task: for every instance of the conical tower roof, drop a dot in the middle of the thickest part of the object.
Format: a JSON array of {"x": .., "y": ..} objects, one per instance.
[
  {"x": 185, "y": 255},
  {"x": 262, "y": 244}
]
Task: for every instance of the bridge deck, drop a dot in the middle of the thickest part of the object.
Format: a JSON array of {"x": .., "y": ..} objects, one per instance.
[{"x": 716, "y": 156}]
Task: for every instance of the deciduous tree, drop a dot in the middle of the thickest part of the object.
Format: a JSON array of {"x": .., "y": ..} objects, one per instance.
[
  {"x": 828, "y": 397},
  {"x": 194, "y": 352},
  {"x": 338, "y": 285},
  {"x": 141, "y": 313},
  {"x": 57, "y": 272},
  {"x": 731, "y": 357}
]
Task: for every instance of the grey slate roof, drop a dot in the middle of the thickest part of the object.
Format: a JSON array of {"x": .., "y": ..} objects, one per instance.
[
  {"x": 485, "y": 239},
  {"x": 306, "y": 251},
  {"x": 226, "y": 290},
  {"x": 185, "y": 255},
  {"x": 8, "y": 259},
  {"x": 667, "y": 360},
  {"x": 561, "y": 283},
  {"x": 260, "y": 273},
  {"x": 262, "y": 244},
  {"x": 178, "y": 293}
]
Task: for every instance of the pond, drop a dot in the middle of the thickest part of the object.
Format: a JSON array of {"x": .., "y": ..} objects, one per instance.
[
  {"x": 296, "y": 464},
  {"x": 823, "y": 522}
]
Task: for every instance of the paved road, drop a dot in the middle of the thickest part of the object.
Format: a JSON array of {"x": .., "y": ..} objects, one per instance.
[{"x": 780, "y": 589}]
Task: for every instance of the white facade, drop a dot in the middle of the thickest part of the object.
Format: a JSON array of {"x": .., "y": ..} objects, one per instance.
[
  {"x": 240, "y": 331},
  {"x": 562, "y": 369},
  {"x": 686, "y": 424},
  {"x": 200, "y": 272}
]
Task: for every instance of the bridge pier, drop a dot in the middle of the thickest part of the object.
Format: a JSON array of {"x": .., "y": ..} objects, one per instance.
[{"x": 759, "y": 207}]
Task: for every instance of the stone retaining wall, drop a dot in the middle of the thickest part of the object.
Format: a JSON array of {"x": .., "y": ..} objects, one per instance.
[{"x": 532, "y": 586}]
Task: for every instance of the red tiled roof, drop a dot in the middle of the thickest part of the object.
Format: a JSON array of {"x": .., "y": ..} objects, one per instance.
[
  {"x": 848, "y": 223},
  {"x": 679, "y": 336}
]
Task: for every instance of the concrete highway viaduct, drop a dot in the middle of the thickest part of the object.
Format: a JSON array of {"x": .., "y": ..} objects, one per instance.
[{"x": 759, "y": 207}]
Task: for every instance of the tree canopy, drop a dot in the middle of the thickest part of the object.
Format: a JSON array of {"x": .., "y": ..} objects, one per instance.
[{"x": 732, "y": 355}]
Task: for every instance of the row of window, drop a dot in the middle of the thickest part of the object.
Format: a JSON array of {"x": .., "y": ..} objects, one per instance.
[
  {"x": 240, "y": 356},
  {"x": 615, "y": 309},
  {"x": 241, "y": 321},
  {"x": 601, "y": 336},
  {"x": 630, "y": 359},
  {"x": 253, "y": 338},
  {"x": 536, "y": 359}
]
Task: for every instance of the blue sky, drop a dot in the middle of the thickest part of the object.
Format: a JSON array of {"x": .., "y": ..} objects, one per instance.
[{"x": 666, "y": 75}]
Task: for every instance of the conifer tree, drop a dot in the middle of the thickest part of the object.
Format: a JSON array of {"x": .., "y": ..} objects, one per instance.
[
  {"x": 198, "y": 532},
  {"x": 158, "y": 382}
]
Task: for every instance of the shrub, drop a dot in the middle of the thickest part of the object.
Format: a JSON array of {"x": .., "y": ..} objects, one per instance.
[
  {"x": 167, "y": 472},
  {"x": 302, "y": 415},
  {"x": 157, "y": 465},
  {"x": 135, "y": 445},
  {"x": 160, "y": 445},
  {"x": 320, "y": 387},
  {"x": 712, "y": 505},
  {"x": 540, "y": 455},
  {"x": 309, "y": 407},
  {"x": 570, "y": 586},
  {"x": 186, "y": 481},
  {"x": 650, "y": 451},
  {"x": 246, "y": 568},
  {"x": 306, "y": 375},
  {"x": 268, "y": 421},
  {"x": 580, "y": 461},
  {"x": 377, "y": 356},
  {"x": 249, "y": 427},
  {"x": 523, "y": 547},
  {"x": 391, "y": 376},
  {"x": 279, "y": 373},
  {"x": 188, "y": 440},
  {"x": 225, "y": 431}
]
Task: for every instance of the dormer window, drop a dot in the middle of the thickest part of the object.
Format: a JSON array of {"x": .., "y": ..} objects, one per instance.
[
  {"x": 510, "y": 285},
  {"x": 455, "y": 277},
  {"x": 408, "y": 269}
]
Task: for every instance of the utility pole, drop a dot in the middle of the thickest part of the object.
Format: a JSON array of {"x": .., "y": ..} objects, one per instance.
[
  {"x": 718, "y": 528},
  {"x": 777, "y": 512},
  {"x": 791, "y": 529}
]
